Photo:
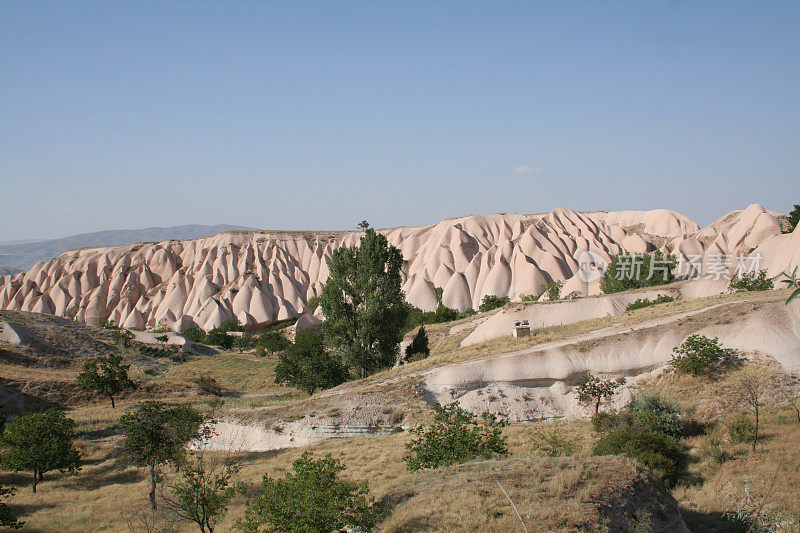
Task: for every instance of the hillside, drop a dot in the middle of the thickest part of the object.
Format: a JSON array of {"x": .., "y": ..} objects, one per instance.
[
  {"x": 17, "y": 257},
  {"x": 261, "y": 277}
]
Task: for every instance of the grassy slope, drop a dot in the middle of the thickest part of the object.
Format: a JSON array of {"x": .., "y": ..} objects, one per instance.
[{"x": 103, "y": 494}]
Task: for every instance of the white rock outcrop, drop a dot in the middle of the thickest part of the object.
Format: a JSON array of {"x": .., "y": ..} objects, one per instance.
[{"x": 261, "y": 276}]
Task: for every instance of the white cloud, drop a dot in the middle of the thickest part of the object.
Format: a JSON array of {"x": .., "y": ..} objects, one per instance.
[{"x": 526, "y": 168}]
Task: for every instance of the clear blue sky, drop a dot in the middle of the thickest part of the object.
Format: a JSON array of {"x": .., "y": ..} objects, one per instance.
[{"x": 318, "y": 115}]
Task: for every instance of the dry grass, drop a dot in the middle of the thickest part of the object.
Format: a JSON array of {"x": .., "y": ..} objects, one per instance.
[{"x": 240, "y": 373}]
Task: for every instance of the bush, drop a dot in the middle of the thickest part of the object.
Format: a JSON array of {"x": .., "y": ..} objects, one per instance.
[
  {"x": 244, "y": 342},
  {"x": 553, "y": 290},
  {"x": 417, "y": 316},
  {"x": 741, "y": 429},
  {"x": 195, "y": 334},
  {"x": 651, "y": 412},
  {"x": 219, "y": 337},
  {"x": 646, "y": 302},
  {"x": 312, "y": 498},
  {"x": 456, "y": 436},
  {"x": 634, "y": 271},
  {"x": 491, "y": 301},
  {"x": 749, "y": 281},
  {"x": 657, "y": 451},
  {"x": 418, "y": 349},
  {"x": 209, "y": 385},
  {"x": 231, "y": 324},
  {"x": 272, "y": 342},
  {"x": 307, "y": 366},
  {"x": 697, "y": 354}
]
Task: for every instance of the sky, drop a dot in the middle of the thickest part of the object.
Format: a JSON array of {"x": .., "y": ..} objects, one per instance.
[{"x": 317, "y": 115}]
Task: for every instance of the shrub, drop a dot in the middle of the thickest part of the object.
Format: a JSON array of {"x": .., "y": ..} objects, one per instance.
[
  {"x": 312, "y": 303},
  {"x": 417, "y": 316},
  {"x": 312, "y": 498},
  {"x": 794, "y": 218},
  {"x": 195, "y": 334},
  {"x": 655, "y": 414},
  {"x": 7, "y": 517},
  {"x": 244, "y": 342},
  {"x": 418, "y": 349},
  {"x": 697, "y": 354},
  {"x": 209, "y": 385},
  {"x": 272, "y": 342},
  {"x": 307, "y": 366},
  {"x": 456, "y": 436},
  {"x": 716, "y": 451},
  {"x": 121, "y": 337},
  {"x": 634, "y": 271},
  {"x": 741, "y": 429},
  {"x": 231, "y": 324},
  {"x": 657, "y": 451},
  {"x": 491, "y": 301},
  {"x": 219, "y": 337},
  {"x": 646, "y": 302},
  {"x": 750, "y": 281},
  {"x": 553, "y": 290}
]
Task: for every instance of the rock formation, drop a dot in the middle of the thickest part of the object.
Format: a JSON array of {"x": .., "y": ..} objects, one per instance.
[{"x": 261, "y": 276}]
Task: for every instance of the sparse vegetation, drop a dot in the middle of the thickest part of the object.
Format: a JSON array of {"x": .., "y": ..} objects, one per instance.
[
  {"x": 634, "y": 271},
  {"x": 553, "y": 290},
  {"x": 641, "y": 303},
  {"x": 491, "y": 302},
  {"x": 697, "y": 355},
  {"x": 456, "y": 436},
  {"x": 750, "y": 281},
  {"x": 311, "y": 498},
  {"x": 39, "y": 443}
]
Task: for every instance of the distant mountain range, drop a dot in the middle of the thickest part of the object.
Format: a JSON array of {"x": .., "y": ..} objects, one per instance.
[{"x": 16, "y": 257}]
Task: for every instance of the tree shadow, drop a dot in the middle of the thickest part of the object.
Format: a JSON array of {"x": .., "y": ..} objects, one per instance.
[{"x": 712, "y": 522}]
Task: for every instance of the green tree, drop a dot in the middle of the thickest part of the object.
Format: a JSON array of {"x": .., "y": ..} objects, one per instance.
[
  {"x": 696, "y": 354},
  {"x": 156, "y": 433},
  {"x": 109, "y": 378},
  {"x": 454, "y": 437},
  {"x": 794, "y": 217},
  {"x": 311, "y": 499},
  {"x": 633, "y": 271},
  {"x": 244, "y": 342},
  {"x": 273, "y": 341},
  {"x": 492, "y": 301},
  {"x": 308, "y": 366},
  {"x": 365, "y": 312},
  {"x": 203, "y": 488},
  {"x": 594, "y": 389},
  {"x": 7, "y": 517},
  {"x": 418, "y": 349},
  {"x": 40, "y": 442}
]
